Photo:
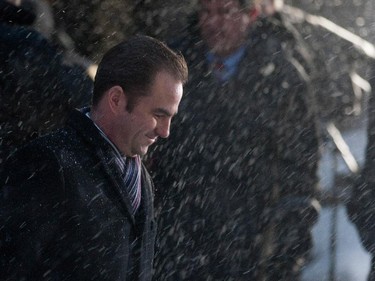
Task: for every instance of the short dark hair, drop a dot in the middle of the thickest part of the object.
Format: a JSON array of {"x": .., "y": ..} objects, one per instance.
[{"x": 133, "y": 65}]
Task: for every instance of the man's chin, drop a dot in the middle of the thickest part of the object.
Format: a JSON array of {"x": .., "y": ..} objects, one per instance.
[{"x": 143, "y": 151}]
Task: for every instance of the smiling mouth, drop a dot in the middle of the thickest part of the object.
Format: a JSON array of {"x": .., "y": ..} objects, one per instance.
[{"x": 152, "y": 140}]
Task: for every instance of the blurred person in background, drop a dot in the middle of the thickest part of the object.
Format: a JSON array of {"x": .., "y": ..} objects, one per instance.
[
  {"x": 344, "y": 87},
  {"x": 361, "y": 205},
  {"x": 336, "y": 60},
  {"x": 39, "y": 84},
  {"x": 238, "y": 175}
]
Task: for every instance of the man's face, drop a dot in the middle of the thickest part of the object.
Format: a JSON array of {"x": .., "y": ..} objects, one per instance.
[
  {"x": 224, "y": 26},
  {"x": 150, "y": 117}
]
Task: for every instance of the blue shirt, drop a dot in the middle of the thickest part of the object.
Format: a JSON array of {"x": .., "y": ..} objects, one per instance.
[{"x": 230, "y": 63}]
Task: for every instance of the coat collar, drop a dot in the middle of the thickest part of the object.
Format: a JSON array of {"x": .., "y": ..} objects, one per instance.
[{"x": 87, "y": 130}]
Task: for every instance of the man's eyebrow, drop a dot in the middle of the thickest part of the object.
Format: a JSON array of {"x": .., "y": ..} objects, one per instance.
[{"x": 164, "y": 112}]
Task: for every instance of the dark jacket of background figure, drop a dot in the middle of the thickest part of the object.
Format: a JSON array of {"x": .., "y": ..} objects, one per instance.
[
  {"x": 63, "y": 213},
  {"x": 336, "y": 61},
  {"x": 361, "y": 206},
  {"x": 239, "y": 170},
  {"x": 38, "y": 86}
]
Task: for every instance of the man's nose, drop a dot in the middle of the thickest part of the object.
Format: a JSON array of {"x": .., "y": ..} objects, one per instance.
[{"x": 163, "y": 128}]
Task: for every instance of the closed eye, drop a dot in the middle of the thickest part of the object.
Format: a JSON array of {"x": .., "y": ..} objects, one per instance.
[{"x": 161, "y": 113}]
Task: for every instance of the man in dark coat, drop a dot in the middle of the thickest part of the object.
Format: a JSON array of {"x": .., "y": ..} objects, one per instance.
[
  {"x": 341, "y": 61},
  {"x": 78, "y": 204},
  {"x": 239, "y": 171},
  {"x": 38, "y": 87},
  {"x": 361, "y": 204}
]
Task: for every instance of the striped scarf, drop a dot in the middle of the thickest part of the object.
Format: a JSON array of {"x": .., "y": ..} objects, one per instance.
[{"x": 131, "y": 174}]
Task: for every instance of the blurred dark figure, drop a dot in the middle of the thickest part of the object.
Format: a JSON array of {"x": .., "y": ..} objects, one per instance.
[
  {"x": 339, "y": 59},
  {"x": 345, "y": 74},
  {"x": 95, "y": 26},
  {"x": 56, "y": 34},
  {"x": 361, "y": 206},
  {"x": 12, "y": 13},
  {"x": 238, "y": 182},
  {"x": 38, "y": 85}
]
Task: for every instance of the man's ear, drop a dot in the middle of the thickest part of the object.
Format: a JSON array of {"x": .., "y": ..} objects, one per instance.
[{"x": 116, "y": 99}]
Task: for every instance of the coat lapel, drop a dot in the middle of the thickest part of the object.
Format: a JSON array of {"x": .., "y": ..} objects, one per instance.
[
  {"x": 148, "y": 226},
  {"x": 86, "y": 128},
  {"x": 118, "y": 184}
]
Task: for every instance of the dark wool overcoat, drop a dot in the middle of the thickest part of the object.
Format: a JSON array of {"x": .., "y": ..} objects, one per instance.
[
  {"x": 361, "y": 205},
  {"x": 239, "y": 169},
  {"x": 64, "y": 214},
  {"x": 37, "y": 86}
]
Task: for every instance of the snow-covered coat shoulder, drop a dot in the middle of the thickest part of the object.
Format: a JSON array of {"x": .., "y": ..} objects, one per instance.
[{"x": 63, "y": 215}]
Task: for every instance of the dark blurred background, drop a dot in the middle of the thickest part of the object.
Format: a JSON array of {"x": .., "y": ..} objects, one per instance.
[{"x": 95, "y": 25}]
